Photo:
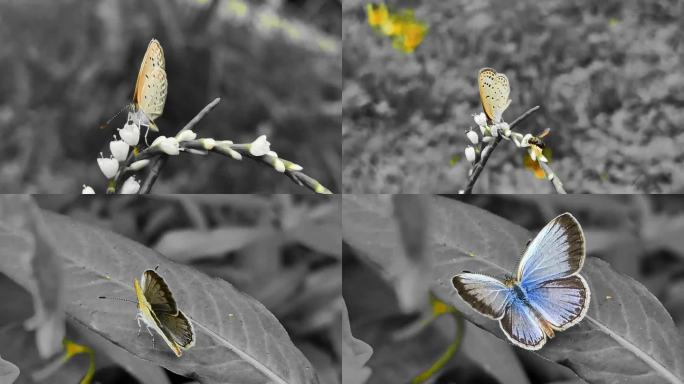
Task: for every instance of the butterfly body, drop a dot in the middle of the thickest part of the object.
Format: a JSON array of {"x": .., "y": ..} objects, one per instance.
[
  {"x": 546, "y": 295},
  {"x": 158, "y": 310},
  {"x": 151, "y": 86}
]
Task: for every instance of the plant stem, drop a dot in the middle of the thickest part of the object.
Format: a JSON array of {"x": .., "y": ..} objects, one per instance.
[
  {"x": 553, "y": 178},
  {"x": 159, "y": 162},
  {"x": 487, "y": 151}
]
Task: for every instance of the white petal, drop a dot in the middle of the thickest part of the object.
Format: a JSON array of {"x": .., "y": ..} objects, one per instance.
[
  {"x": 470, "y": 153},
  {"x": 130, "y": 186},
  {"x": 87, "y": 190},
  {"x": 119, "y": 150},
  {"x": 138, "y": 165},
  {"x": 108, "y": 166},
  {"x": 260, "y": 146},
  {"x": 186, "y": 135},
  {"x": 473, "y": 137}
]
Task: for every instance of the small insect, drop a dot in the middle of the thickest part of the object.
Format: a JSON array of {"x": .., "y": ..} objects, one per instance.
[
  {"x": 151, "y": 86},
  {"x": 494, "y": 91},
  {"x": 158, "y": 310},
  {"x": 547, "y": 294}
]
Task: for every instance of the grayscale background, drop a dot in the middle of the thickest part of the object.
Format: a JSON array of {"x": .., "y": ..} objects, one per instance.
[
  {"x": 68, "y": 66},
  {"x": 607, "y": 75}
]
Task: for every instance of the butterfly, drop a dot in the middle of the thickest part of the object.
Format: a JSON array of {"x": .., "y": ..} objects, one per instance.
[
  {"x": 494, "y": 91},
  {"x": 158, "y": 310},
  {"x": 151, "y": 87},
  {"x": 546, "y": 295}
]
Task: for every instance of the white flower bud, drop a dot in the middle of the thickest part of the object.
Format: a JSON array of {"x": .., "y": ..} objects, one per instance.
[
  {"x": 108, "y": 166},
  {"x": 138, "y": 165},
  {"x": 294, "y": 167},
  {"x": 480, "y": 119},
  {"x": 470, "y": 153},
  {"x": 119, "y": 149},
  {"x": 130, "y": 186},
  {"x": 260, "y": 146},
  {"x": 279, "y": 165},
  {"x": 272, "y": 154},
  {"x": 168, "y": 145},
  {"x": 473, "y": 137},
  {"x": 208, "y": 143},
  {"x": 505, "y": 129},
  {"x": 130, "y": 133},
  {"x": 87, "y": 190},
  {"x": 186, "y": 135}
]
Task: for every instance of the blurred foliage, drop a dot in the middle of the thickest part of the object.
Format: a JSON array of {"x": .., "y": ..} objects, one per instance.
[
  {"x": 275, "y": 64},
  {"x": 639, "y": 235},
  {"x": 291, "y": 264},
  {"x": 607, "y": 75}
]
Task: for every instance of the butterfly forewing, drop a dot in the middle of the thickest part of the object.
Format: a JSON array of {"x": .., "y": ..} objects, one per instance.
[
  {"x": 494, "y": 92},
  {"x": 151, "y": 86},
  {"x": 158, "y": 294},
  {"x": 485, "y": 294},
  {"x": 556, "y": 252},
  {"x": 562, "y": 302}
]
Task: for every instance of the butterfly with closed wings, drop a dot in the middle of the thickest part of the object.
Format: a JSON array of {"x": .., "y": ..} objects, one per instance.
[{"x": 546, "y": 295}]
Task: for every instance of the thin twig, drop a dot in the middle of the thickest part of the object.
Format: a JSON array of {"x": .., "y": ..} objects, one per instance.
[
  {"x": 297, "y": 176},
  {"x": 159, "y": 162},
  {"x": 553, "y": 178},
  {"x": 487, "y": 151}
]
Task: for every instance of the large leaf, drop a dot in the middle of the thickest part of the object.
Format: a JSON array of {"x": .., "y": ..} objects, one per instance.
[
  {"x": 237, "y": 338},
  {"x": 627, "y": 336},
  {"x": 8, "y": 372}
]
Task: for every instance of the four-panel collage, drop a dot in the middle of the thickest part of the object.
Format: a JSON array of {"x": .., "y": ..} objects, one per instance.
[{"x": 341, "y": 192}]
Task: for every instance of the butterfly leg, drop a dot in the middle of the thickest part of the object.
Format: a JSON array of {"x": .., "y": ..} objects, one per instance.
[{"x": 137, "y": 318}]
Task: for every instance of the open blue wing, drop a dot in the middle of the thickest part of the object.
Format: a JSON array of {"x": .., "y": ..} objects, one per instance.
[
  {"x": 485, "y": 294},
  {"x": 562, "y": 302},
  {"x": 522, "y": 326},
  {"x": 556, "y": 252}
]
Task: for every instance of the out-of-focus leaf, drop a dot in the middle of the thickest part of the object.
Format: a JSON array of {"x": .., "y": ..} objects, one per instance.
[
  {"x": 188, "y": 244},
  {"x": 494, "y": 355},
  {"x": 18, "y": 347},
  {"x": 8, "y": 372},
  {"x": 380, "y": 242},
  {"x": 44, "y": 265},
  {"x": 142, "y": 370},
  {"x": 329, "y": 371},
  {"x": 355, "y": 354},
  {"x": 635, "y": 336},
  {"x": 237, "y": 338}
]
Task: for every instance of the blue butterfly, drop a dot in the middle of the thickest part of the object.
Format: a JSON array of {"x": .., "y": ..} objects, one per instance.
[{"x": 547, "y": 295}]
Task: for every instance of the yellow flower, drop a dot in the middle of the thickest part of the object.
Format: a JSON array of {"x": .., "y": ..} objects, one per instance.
[
  {"x": 533, "y": 165},
  {"x": 410, "y": 37},
  {"x": 392, "y": 26},
  {"x": 377, "y": 15}
]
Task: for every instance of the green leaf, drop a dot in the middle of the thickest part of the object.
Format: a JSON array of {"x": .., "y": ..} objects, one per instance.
[
  {"x": 626, "y": 325},
  {"x": 237, "y": 338}
]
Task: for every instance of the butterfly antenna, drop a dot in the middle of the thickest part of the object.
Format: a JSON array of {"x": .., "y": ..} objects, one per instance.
[
  {"x": 102, "y": 126},
  {"x": 117, "y": 298}
]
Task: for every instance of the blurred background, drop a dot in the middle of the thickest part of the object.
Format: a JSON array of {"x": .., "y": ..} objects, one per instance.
[
  {"x": 608, "y": 76},
  {"x": 275, "y": 64},
  {"x": 638, "y": 235},
  {"x": 283, "y": 250}
]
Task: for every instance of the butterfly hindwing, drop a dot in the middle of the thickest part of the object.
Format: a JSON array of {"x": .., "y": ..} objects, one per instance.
[
  {"x": 522, "y": 327},
  {"x": 179, "y": 329},
  {"x": 561, "y": 302},
  {"x": 556, "y": 252},
  {"x": 485, "y": 294}
]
